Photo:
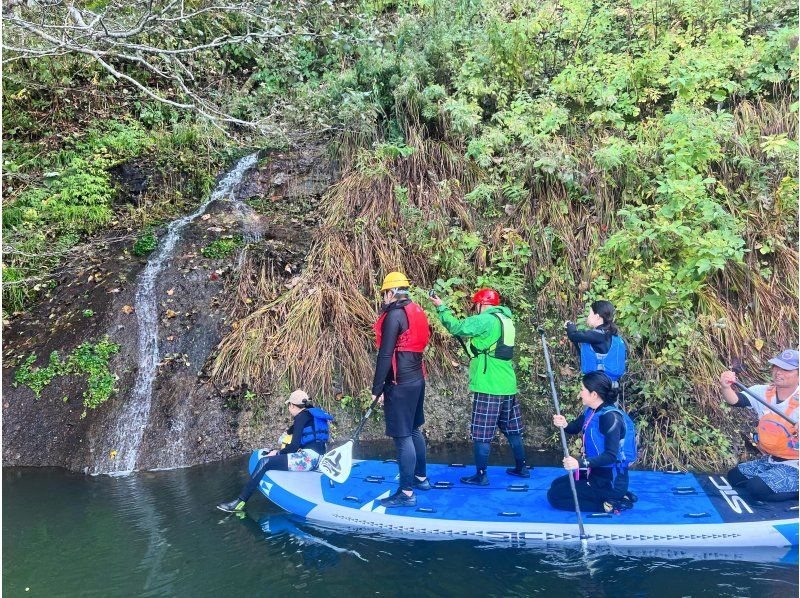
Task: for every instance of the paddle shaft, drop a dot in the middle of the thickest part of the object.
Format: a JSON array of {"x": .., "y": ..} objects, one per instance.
[
  {"x": 746, "y": 391},
  {"x": 364, "y": 419},
  {"x": 563, "y": 435}
]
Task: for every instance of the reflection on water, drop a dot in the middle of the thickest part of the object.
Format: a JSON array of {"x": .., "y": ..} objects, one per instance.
[{"x": 158, "y": 534}]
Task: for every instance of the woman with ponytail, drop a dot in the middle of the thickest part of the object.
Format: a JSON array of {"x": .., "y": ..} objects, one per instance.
[
  {"x": 609, "y": 447},
  {"x": 601, "y": 348}
]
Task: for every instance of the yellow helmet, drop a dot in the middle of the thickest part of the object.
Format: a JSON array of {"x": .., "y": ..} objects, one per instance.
[{"x": 394, "y": 280}]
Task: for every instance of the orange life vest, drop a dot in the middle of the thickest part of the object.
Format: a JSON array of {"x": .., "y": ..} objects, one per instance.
[{"x": 776, "y": 436}]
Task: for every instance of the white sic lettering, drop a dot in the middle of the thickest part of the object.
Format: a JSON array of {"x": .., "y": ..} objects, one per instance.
[{"x": 730, "y": 495}]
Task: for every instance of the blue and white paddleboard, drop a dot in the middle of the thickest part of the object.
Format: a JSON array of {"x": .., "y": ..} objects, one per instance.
[{"x": 674, "y": 509}]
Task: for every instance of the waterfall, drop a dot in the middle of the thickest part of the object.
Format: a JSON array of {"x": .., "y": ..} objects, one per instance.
[{"x": 131, "y": 423}]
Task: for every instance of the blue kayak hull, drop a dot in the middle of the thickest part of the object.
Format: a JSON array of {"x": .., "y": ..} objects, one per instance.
[{"x": 674, "y": 509}]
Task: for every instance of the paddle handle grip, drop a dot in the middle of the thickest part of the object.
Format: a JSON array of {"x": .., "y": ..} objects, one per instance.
[
  {"x": 563, "y": 436},
  {"x": 777, "y": 411}
]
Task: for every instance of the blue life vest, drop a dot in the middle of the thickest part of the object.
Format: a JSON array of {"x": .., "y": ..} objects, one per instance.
[
  {"x": 594, "y": 443},
  {"x": 319, "y": 431},
  {"x": 612, "y": 363}
]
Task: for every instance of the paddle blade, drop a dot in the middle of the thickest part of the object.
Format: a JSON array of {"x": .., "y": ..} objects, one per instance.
[{"x": 336, "y": 464}]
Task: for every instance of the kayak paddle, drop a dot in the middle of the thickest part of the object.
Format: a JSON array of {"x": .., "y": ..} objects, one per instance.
[
  {"x": 563, "y": 435},
  {"x": 777, "y": 411},
  {"x": 336, "y": 464},
  {"x": 738, "y": 367}
]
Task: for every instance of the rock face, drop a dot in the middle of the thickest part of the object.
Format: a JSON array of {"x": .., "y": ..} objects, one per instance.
[{"x": 188, "y": 421}]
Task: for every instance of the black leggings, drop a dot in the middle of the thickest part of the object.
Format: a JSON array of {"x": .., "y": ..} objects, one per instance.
[
  {"x": 278, "y": 463},
  {"x": 757, "y": 488},
  {"x": 410, "y": 458},
  {"x": 590, "y": 497},
  {"x": 482, "y": 449}
]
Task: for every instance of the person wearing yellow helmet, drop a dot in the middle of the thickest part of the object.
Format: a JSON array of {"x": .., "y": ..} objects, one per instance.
[{"x": 402, "y": 332}]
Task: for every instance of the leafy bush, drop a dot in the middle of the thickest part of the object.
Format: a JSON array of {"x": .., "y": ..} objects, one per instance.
[
  {"x": 222, "y": 248},
  {"x": 88, "y": 359},
  {"x": 145, "y": 244}
]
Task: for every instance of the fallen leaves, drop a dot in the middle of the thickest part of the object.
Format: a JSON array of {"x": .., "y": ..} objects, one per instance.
[
  {"x": 171, "y": 313},
  {"x": 127, "y": 309},
  {"x": 170, "y": 292}
]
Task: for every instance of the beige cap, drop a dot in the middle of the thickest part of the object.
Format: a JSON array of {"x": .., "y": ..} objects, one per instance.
[{"x": 298, "y": 397}]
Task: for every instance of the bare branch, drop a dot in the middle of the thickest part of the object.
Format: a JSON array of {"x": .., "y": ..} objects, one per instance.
[{"x": 148, "y": 34}]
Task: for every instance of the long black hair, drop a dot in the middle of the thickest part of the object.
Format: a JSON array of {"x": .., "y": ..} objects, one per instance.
[
  {"x": 605, "y": 309},
  {"x": 600, "y": 383}
]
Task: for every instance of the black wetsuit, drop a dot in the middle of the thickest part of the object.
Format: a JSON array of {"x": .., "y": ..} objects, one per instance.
[
  {"x": 280, "y": 462},
  {"x": 602, "y": 482},
  {"x": 301, "y": 421},
  {"x": 403, "y": 400},
  {"x": 599, "y": 339}
]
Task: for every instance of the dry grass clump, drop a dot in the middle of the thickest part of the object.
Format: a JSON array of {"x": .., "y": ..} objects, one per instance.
[{"x": 318, "y": 334}]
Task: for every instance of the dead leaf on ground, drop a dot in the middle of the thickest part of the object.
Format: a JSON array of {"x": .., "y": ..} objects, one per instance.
[
  {"x": 205, "y": 217},
  {"x": 171, "y": 314},
  {"x": 170, "y": 292},
  {"x": 127, "y": 309},
  {"x": 171, "y": 338},
  {"x": 293, "y": 282}
]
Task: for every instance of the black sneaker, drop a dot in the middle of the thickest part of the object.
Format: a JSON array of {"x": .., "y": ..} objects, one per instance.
[
  {"x": 232, "y": 506},
  {"x": 422, "y": 484},
  {"x": 399, "y": 499},
  {"x": 479, "y": 479},
  {"x": 520, "y": 472}
]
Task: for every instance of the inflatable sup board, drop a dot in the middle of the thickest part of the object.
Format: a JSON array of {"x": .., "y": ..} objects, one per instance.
[{"x": 673, "y": 509}]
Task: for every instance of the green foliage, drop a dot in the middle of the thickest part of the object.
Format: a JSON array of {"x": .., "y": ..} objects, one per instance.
[
  {"x": 610, "y": 137},
  {"x": 145, "y": 244},
  {"x": 89, "y": 359},
  {"x": 222, "y": 248}
]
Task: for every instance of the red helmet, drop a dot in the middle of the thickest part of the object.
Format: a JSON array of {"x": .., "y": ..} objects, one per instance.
[{"x": 486, "y": 297}]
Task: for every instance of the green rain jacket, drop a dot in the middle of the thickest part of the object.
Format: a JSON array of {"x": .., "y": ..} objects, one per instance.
[{"x": 487, "y": 374}]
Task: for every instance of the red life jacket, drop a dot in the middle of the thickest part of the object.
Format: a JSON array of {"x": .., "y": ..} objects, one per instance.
[
  {"x": 776, "y": 436},
  {"x": 415, "y": 339}
]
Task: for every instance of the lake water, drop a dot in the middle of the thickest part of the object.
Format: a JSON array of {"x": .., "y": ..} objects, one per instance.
[{"x": 158, "y": 534}]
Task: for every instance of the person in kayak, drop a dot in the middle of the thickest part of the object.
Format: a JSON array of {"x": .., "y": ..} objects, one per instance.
[
  {"x": 402, "y": 332},
  {"x": 600, "y": 348},
  {"x": 774, "y": 476},
  {"x": 488, "y": 338},
  {"x": 609, "y": 444},
  {"x": 302, "y": 445}
]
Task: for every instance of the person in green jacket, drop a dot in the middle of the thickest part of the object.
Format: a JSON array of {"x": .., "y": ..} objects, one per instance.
[{"x": 488, "y": 338}]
